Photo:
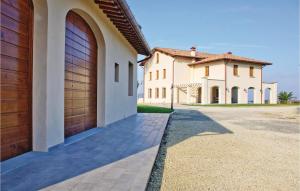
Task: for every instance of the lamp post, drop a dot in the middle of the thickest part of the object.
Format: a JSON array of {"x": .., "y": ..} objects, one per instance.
[{"x": 172, "y": 95}]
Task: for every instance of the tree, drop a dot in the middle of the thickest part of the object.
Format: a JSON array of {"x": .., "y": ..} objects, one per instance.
[{"x": 285, "y": 97}]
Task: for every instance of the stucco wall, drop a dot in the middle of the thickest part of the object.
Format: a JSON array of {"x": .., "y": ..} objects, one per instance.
[
  {"x": 207, "y": 85},
  {"x": 165, "y": 62},
  {"x": 113, "y": 102},
  {"x": 216, "y": 71},
  {"x": 182, "y": 71},
  {"x": 272, "y": 92},
  {"x": 243, "y": 81}
]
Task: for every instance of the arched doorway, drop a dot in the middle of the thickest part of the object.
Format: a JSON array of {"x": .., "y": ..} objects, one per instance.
[
  {"x": 16, "y": 78},
  {"x": 199, "y": 95},
  {"x": 80, "y": 76},
  {"x": 234, "y": 94},
  {"x": 215, "y": 94},
  {"x": 251, "y": 95},
  {"x": 267, "y": 95}
]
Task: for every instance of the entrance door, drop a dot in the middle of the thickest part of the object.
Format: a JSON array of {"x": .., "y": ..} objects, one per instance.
[
  {"x": 234, "y": 95},
  {"x": 16, "y": 77},
  {"x": 215, "y": 95},
  {"x": 80, "y": 76},
  {"x": 199, "y": 95}
]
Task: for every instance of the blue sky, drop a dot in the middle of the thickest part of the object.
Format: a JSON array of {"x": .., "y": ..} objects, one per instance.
[{"x": 261, "y": 29}]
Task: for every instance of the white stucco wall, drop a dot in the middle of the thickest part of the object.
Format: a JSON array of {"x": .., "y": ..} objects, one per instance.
[
  {"x": 113, "y": 102},
  {"x": 39, "y": 86},
  {"x": 182, "y": 71},
  {"x": 207, "y": 85},
  {"x": 243, "y": 81},
  {"x": 273, "y": 92},
  {"x": 165, "y": 62},
  {"x": 216, "y": 71}
]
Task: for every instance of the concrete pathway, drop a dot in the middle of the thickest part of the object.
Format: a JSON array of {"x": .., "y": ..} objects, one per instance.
[{"x": 117, "y": 157}]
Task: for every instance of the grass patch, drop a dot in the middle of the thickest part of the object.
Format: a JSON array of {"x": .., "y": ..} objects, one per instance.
[
  {"x": 152, "y": 109},
  {"x": 244, "y": 105}
]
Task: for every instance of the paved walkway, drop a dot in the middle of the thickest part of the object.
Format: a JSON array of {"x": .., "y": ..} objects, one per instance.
[{"x": 118, "y": 157}]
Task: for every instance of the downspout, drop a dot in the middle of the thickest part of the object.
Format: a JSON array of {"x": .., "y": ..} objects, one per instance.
[
  {"x": 225, "y": 82},
  {"x": 261, "y": 90},
  {"x": 144, "y": 82}
]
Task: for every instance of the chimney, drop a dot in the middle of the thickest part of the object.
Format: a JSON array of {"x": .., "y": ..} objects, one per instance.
[{"x": 193, "y": 51}]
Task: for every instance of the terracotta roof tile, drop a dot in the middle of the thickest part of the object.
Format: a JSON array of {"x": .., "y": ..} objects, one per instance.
[
  {"x": 205, "y": 57},
  {"x": 182, "y": 53},
  {"x": 230, "y": 56}
]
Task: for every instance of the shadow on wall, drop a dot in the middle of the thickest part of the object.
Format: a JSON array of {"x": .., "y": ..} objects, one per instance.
[{"x": 184, "y": 124}]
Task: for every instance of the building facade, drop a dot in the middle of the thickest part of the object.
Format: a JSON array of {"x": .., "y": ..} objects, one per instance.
[
  {"x": 197, "y": 77},
  {"x": 66, "y": 66}
]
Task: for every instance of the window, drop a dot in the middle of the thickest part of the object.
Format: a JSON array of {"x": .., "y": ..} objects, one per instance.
[
  {"x": 206, "y": 70},
  {"x": 130, "y": 79},
  {"x": 235, "y": 70},
  {"x": 164, "y": 73},
  {"x": 164, "y": 92},
  {"x": 251, "y": 71},
  {"x": 157, "y": 58},
  {"x": 150, "y": 76},
  {"x": 157, "y": 74},
  {"x": 149, "y": 93},
  {"x": 116, "y": 72},
  {"x": 156, "y": 92}
]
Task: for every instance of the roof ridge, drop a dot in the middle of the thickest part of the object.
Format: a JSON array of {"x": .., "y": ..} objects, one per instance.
[
  {"x": 231, "y": 57},
  {"x": 176, "y": 49}
]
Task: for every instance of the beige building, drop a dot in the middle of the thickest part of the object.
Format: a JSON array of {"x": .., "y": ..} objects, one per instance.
[
  {"x": 205, "y": 78},
  {"x": 66, "y": 66}
]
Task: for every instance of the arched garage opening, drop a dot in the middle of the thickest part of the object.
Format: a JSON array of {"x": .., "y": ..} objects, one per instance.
[
  {"x": 234, "y": 94},
  {"x": 16, "y": 78},
  {"x": 215, "y": 94},
  {"x": 267, "y": 95},
  {"x": 250, "y": 95},
  {"x": 80, "y": 75}
]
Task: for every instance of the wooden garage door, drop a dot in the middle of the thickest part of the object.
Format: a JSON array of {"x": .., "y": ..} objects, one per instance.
[
  {"x": 80, "y": 76},
  {"x": 16, "y": 80}
]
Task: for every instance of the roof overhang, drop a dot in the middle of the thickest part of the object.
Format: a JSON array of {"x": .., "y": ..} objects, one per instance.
[{"x": 121, "y": 16}]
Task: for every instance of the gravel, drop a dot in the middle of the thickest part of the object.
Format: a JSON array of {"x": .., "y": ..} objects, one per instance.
[{"x": 215, "y": 148}]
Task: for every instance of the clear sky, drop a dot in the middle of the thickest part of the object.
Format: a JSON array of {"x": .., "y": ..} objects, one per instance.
[{"x": 261, "y": 29}]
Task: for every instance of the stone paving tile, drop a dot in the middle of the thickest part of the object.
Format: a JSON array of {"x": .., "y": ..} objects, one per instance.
[{"x": 118, "y": 157}]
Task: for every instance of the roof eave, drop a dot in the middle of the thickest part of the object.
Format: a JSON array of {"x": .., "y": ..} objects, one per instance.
[
  {"x": 127, "y": 10},
  {"x": 121, "y": 16}
]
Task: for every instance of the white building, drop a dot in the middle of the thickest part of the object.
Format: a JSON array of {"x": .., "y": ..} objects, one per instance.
[
  {"x": 66, "y": 66},
  {"x": 204, "y": 78}
]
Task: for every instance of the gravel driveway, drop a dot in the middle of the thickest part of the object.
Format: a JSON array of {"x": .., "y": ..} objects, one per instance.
[{"x": 217, "y": 148}]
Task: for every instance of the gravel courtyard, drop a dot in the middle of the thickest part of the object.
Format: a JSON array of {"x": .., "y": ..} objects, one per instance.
[{"x": 221, "y": 148}]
